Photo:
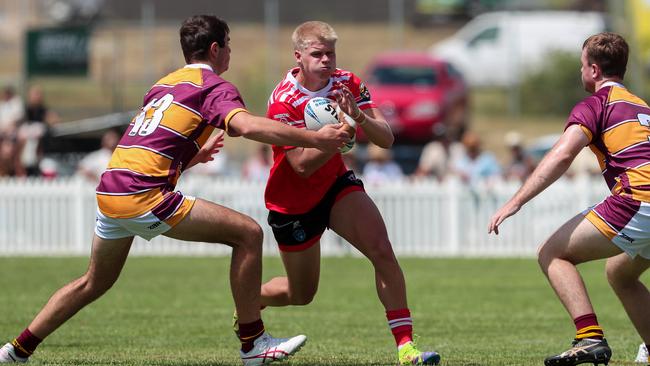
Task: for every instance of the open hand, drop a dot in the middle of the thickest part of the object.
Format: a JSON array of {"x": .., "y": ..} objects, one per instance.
[
  {"x": 210, "y": 148},
  {"x": 346, "y": 101},
  {"x": 509, "y": 209}
]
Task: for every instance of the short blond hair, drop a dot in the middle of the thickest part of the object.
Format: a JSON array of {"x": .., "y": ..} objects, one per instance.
[{"x": 308, "y": 32}]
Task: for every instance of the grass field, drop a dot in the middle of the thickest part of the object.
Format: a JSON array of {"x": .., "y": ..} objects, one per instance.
[{"x": 177, "y": 311}]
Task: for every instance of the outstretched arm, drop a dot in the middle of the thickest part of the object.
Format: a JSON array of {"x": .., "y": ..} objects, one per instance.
[
  {"x": 329, "y": 138},
  {"x": 552, "y": 166}
]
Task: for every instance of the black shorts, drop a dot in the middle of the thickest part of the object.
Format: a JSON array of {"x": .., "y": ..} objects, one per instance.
[{"x": 299, "y": 232}]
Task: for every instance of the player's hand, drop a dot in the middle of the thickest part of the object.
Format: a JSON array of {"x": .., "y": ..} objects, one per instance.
[
  {"x": 346, "y": 101},
  {"x": 210, "y": 148},
  {"x": 332, "y": 137},
  {"x": 509, "y": 209}
]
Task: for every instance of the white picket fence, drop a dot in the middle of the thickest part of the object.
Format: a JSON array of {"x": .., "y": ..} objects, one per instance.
[{"x": 424, "y": 218}]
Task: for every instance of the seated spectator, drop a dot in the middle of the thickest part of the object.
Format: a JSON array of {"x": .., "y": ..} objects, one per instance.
[
  {"x": 381, "y": 167},
  {"x": 93, "y": 165},
  {"x": 521, "y": 164},
  {"x": 475, "y": 165},
  {"x": 436, "y": 156}
]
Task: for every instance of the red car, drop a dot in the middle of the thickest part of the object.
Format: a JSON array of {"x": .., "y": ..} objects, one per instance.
[{"x": 418, "y": 94}]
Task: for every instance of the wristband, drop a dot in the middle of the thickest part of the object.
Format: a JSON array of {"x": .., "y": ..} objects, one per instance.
[{"x": 363, "y": 121}]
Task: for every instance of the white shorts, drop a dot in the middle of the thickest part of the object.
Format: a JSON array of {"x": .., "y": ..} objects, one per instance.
[
  {"x": 624, "y": 221},
  {"x": 146, "y": 225}
]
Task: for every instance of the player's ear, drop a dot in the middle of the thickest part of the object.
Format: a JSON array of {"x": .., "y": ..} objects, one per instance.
[
  {"x": 214, "y": 51},
  {"x": 297, "y": 56}
]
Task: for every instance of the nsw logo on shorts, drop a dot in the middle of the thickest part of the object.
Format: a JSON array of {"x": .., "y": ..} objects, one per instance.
[{"x": 298, "y": 233}]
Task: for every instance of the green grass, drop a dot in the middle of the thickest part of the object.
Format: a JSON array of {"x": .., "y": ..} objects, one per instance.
[{"x": 177, "y": 311}]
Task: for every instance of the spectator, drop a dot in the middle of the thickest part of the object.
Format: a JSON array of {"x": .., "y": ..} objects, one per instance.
[
  {"x": 7, "y": 157},
  {"x": 32, "y": 132},
  {"x": 93, "y": 165},
  {"x": 258, "y": 165},
  {"x": 521, "y": 164},
  {"x": 437, "y": 154},
  {"x": 11, "y": 111},
  {"x": 381, "y": 167},
  {"x": 475, "y": 165}
]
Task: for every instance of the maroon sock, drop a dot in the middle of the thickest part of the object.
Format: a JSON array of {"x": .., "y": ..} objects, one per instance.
[
  {"x": 587, "y": 327},
  {"x": 26, "y": 343},
  {"x": 249, "y": 332}
]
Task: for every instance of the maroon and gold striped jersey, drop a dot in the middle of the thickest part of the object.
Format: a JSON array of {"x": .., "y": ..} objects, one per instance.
[
  {"x": 179, "y": 114},
  {"x": 617, "y": 123}
]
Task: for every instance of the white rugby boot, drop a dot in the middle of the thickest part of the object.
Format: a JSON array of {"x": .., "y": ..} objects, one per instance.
[
  {"x": 642, "y": 356},
  {"x": 267, "y": 349},
  {"x": 8, "y": 355}
]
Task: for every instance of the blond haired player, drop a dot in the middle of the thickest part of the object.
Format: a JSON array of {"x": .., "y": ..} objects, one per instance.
[
  {"x": 136, "y": 193},
  {"x": 310, "y": 190}
]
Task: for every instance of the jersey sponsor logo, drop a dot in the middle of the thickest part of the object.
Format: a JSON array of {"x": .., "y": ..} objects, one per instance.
[{"x": 282, "y": 117}]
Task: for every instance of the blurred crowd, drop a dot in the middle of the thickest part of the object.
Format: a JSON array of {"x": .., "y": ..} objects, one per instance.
[{"x": 26, "y": 134}]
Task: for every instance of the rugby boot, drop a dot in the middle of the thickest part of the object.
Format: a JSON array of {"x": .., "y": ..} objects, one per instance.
[
  {"x": 408, "y": 354},
  {"x": 585, "y": 350},
  {"x": 267, "y": 349},
  {"x": 642, "y": 356},
  {"x": 8, "y": 355}
]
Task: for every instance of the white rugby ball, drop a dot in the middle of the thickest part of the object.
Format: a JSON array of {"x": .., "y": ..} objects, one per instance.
[{"x": 319, "y": 112}]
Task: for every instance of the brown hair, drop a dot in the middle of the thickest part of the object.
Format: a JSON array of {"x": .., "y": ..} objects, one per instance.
[
  {"x": 308, "y": 32},
  {"x": 609, "y": 51},
  {"x": 199, "y": 32}
]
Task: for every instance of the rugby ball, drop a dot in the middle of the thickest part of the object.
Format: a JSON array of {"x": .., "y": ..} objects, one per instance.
[{"x": 319, "y": 112}]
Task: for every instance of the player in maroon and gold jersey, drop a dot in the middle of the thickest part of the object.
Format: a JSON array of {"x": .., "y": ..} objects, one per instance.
[
  {"x": 616, "y": 125},
  {"x": 310, "y": 190},
  {"x": 136, "y": 193}
]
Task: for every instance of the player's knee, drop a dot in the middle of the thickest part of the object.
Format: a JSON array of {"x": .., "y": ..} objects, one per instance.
[
  {"x": 617, "y": 276},
  {"x": 252, "y": 236},
  {"x": 94, "y": 287}
]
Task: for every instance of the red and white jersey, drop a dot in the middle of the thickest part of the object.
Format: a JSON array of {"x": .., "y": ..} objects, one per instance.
[{"x": 287, "y": 192}]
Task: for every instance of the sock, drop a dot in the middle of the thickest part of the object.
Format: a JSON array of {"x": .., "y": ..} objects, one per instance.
[
  {"x": 587, "y": 327},
  {"x": 401, "y": 325},
  {"x": 249, "y": 332},
  {"x": 26, "y": 343}
]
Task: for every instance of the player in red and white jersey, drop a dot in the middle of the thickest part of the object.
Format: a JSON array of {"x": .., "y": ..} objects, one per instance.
[
  {"x": 309, "y": 191},
  {"x": 136, "y": 194}
]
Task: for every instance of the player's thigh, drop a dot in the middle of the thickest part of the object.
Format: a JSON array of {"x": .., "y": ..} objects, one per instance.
[
  {"x": 212, "y": 223},
  {"x": 107, "y": 259},
  {"x": 356, "y": 218},
  {"x": 303, "y": 269},
  {"x": 577, "y": 241},
  {"x": 624, "y": 267}
]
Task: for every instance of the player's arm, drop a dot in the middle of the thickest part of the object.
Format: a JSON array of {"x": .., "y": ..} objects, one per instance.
[
  {"x": 329, "y": 138},
  {"x": 306, "y": 162},
  {"x": 371, "y": 120},
  {"x": 552, "y": 166}
]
